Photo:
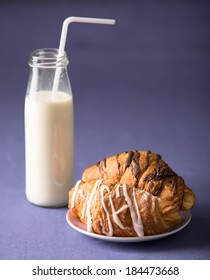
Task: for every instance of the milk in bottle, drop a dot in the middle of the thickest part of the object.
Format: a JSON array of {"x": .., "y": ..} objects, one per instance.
[{"x": 48, "y": 131}]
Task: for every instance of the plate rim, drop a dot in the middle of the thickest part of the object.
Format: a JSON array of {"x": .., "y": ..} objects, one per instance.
[{"x": 186, "y": 218}]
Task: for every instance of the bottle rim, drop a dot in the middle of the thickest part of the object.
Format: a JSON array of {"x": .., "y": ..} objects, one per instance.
[{"x": 48, "y": 58}]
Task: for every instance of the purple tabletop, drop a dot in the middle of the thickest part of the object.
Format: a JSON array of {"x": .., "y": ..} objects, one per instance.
[{"x": 141, "y": 84}]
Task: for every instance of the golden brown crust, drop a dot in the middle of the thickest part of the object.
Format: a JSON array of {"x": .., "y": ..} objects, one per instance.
[
  {"x": 130, "y": 192},
  {"x": 115, "y": 209},
  {"x": 144, "y": 170}
]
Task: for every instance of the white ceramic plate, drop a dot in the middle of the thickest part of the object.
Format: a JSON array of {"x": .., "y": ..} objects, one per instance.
[{"x": 80, "y": 227}]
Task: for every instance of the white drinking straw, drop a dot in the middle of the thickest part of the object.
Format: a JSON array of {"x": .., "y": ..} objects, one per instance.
[{"x": 61, "y": 49}]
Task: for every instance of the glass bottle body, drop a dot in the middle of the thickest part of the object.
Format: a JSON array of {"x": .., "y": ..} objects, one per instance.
[{"x": 48, "y": 130}]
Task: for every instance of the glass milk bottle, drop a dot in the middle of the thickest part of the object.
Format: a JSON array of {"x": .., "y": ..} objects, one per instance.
[{"x": 48, "y": 130}]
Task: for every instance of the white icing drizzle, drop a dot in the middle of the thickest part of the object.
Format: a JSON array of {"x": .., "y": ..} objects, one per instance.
[
  {"x": 122, "y": 209},
  {"x": 137, "y": 208},
  {"x": 135, "y": 214},
  {"x": 102, "y": 226},
  {"x": 88, "y": 214},
  {"x": 74, "y": 193},
  {"x": 138, "y": 226},
  {"x": 118, "y": 190},
  {"x": 110, "y": 232},
  {"x": 114, "y": 214}
]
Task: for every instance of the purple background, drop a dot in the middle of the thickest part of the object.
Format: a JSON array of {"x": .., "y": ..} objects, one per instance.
[{"x": 141, "y": 84}]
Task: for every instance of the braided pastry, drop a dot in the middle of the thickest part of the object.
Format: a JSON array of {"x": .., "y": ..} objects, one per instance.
[
  {"x": 130, "y": 194},
  {"x": 144, "y": 170},
  {"x": 121, "y": 210}
]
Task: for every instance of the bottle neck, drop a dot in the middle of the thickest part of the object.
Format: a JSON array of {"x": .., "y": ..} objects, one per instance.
[
  {"x": 47, "y": 58},
  {"x": 45, "y": 64}
]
